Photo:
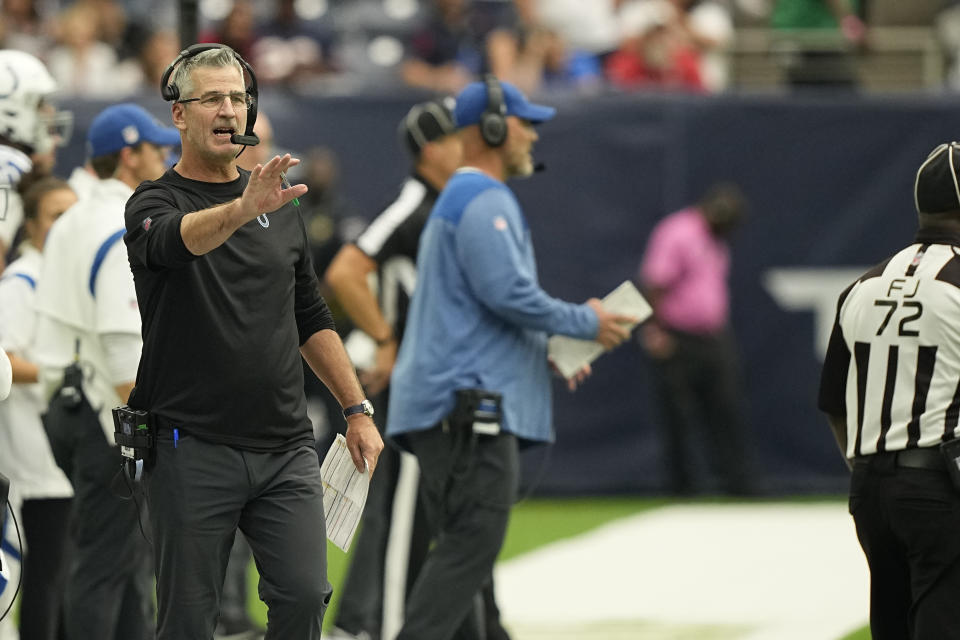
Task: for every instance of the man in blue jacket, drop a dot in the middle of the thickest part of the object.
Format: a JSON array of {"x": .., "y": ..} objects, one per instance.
[{"x": 472, "y": 380}]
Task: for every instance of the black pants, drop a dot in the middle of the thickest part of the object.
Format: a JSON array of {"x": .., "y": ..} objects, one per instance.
[
  {"x": 233, "y": 600},
  {"x": 361, "y": 599},
  {"x": 45, "y": 527},
  {"x": 108, "y": 587},
  {"x": 908, "y": 522},
  {"x": 199, "y": 493},
  {"x": 468, "y": 486},
  {"x": 700, "y": 398}
]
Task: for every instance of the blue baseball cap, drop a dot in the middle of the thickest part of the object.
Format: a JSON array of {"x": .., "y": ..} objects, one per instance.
[
  {"x": 125, "y": 125},
  {"x": 472, "y": 102}
]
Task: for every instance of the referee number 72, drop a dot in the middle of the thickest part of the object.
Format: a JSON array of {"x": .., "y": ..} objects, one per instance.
[{"x": 903, "y": 328}]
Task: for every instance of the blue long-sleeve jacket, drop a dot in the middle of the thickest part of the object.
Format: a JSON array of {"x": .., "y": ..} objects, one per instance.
[{"x": 478, "y": 317}]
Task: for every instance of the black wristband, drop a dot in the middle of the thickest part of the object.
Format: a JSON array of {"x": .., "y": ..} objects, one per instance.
[{"x": 364, "y": 407}]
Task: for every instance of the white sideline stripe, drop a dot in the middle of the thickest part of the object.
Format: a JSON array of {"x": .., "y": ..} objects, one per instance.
[
  {"x": 788, "y": 571},
  {"x": 397, "y": 558}
]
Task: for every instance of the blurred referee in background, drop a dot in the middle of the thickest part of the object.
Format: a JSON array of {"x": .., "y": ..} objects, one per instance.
[{"x": 891, "y": 390}]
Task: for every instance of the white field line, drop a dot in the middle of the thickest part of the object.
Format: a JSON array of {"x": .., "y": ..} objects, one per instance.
[{"x": 784, "y": 571}]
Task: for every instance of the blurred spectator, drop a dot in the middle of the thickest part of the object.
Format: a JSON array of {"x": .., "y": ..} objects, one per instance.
[
  {"x": 571, "y": 37},
  {"x": 160, "y": 48},
  {"x": 237, "y": 30},
  {"x": 290, "y": 49},
  {"x": 370, "y": 42},
  {"x": 591, "y": 27},
  {"x": 81, "y": 64},
  {"x": 152, "y": 14},
  {"x": 111, "y": 21},
  {"x": 821, "y": 36},
  {"x": 654, "y": 51},
  {"x": 947, "y": 24},
  {"x": 141, "y": 73},
  {"x": 708, "y": 25},
  {"x": 536, "y": 56},
  {"x": 462, "y": 39},
  {"x": 24, "y": 27},
  {"x": 560, "y": 66},
  {"x": 436, "y": 58}
]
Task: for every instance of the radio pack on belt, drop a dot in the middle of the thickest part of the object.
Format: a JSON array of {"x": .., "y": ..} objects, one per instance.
[
  {"x": 479, "y": 408},
  {"x": 134, "y": 435}
]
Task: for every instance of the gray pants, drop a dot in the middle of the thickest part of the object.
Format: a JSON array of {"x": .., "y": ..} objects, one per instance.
[
  {"x": 468, "y": 485},
  {"x": 199, "y": 493}
]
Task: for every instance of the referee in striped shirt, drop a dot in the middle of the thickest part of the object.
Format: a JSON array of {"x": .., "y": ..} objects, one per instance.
[{"x": 891, "y": 389}]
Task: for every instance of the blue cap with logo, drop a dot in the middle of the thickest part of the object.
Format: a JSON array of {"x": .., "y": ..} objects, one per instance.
[
  {"x": 125, "y": 125},
  {"x": 473, "y": 101}
]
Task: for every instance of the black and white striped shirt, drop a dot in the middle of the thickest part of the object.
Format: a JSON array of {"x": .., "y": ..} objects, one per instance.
[
  {"x": 893, "y": 362},
  {"x": 391, "y": 240}
]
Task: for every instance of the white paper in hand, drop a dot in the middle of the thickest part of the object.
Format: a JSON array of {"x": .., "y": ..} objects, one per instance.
[
  {"x": 570, "y": 355},
  {"x": 344, "y": 493}
]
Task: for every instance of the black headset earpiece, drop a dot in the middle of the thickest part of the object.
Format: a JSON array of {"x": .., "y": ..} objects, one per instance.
[
  {"x": 493, "y": 122},
  {"x": 171, "y": 92}
]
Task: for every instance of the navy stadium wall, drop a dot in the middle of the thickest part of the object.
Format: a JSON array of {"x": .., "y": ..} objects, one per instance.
[{"x": 830, "y": 185}]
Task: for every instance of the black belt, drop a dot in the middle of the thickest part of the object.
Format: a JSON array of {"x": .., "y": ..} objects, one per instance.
[{"x": 926, "y": 458}]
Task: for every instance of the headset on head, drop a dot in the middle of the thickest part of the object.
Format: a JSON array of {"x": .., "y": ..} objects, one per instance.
[
  {"x": 171, "y": 92},
  {"x": 493, "y": 122},
  {"x": 441, "y": 113}
]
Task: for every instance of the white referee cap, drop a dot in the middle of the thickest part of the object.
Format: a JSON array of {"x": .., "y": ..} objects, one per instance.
[{"x": 937, "y": 189}]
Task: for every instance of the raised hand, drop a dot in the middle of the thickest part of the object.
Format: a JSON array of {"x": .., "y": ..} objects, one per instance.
[{"x": 265, "y": 192}]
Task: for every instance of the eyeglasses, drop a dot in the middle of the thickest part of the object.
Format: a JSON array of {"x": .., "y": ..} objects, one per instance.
[{"x": 214, "y": 100}]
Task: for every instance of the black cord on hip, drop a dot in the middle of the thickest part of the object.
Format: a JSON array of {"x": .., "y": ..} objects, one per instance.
[{"x": 133, "y": 494}]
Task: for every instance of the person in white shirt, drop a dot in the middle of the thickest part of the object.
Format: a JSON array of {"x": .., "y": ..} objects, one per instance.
[
  {"x": 40, "y": 494},
  {"x": 88, "y": 314}
]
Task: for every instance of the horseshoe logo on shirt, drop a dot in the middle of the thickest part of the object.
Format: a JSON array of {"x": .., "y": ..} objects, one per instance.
[{"x": 263, "y": 220}]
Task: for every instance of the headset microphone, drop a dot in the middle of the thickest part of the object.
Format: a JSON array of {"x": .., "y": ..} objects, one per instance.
[
  {"x": 539, "y": 166},
  {"x": 249, "y": 140}
]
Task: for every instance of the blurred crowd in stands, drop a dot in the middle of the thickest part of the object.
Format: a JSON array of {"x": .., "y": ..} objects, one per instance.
[{"x": 116, "y": 48}]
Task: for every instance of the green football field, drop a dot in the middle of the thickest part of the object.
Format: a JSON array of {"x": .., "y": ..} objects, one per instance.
[
  {"x": 543, "y": 529},
  {"x": 537, "y": 523},
  {"x": 533, "y": 523}
]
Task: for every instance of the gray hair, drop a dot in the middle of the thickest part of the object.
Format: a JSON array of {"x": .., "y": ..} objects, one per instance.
[{"x": 220, "y": 57}]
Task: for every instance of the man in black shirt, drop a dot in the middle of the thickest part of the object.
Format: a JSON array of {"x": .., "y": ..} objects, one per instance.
[{"x": 230, "y": 302}]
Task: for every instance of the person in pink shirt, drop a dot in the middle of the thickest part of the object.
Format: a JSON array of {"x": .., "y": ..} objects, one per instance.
[{"x": 684, "y": 275}]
